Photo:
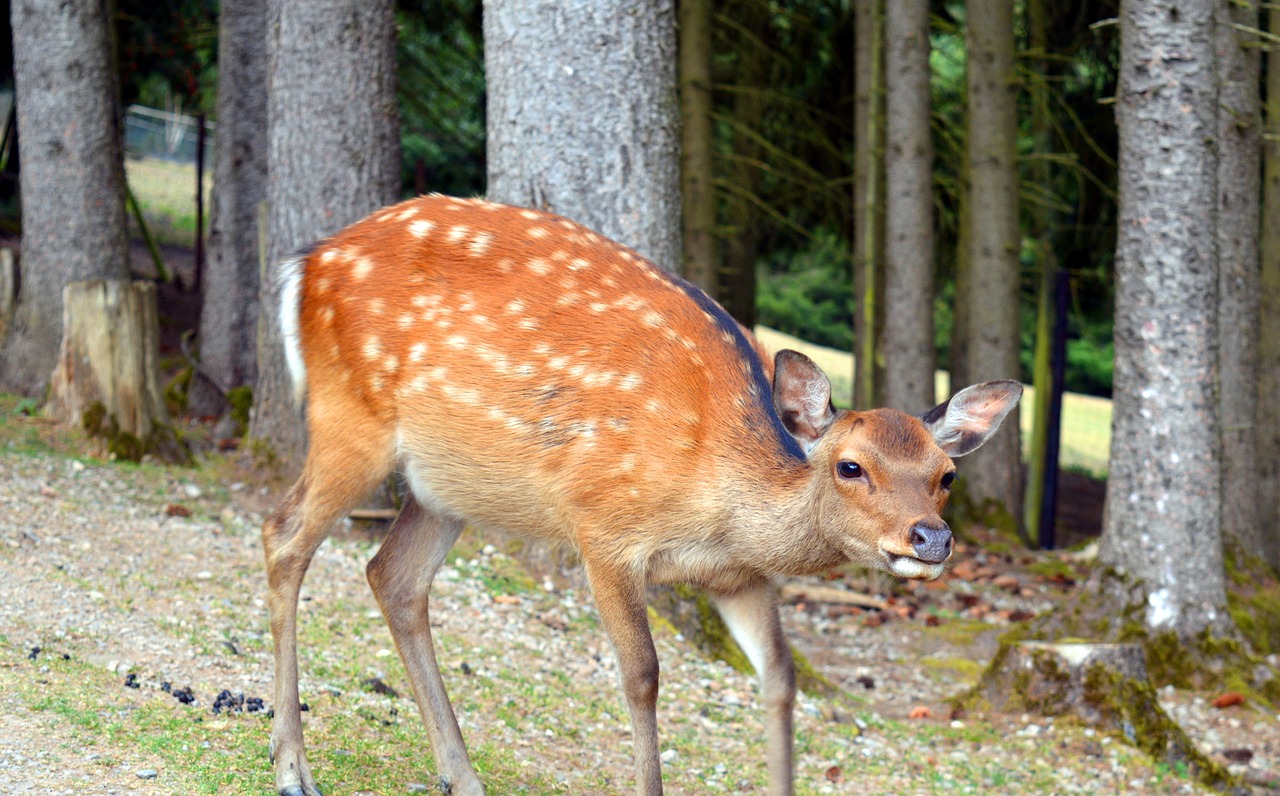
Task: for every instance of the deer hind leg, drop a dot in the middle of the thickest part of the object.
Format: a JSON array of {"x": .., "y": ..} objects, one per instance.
[
  {"x": 401, "y": 575},
  {"x": 619, "y": 595},
  {"x": 752, "y": 616},
  {"x": 342, "y": 467}
]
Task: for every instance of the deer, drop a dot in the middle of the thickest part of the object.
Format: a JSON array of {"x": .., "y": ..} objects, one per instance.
[{"x": 526, "y": 375}]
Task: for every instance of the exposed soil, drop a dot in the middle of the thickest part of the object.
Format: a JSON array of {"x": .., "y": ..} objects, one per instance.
[{"x": 134, "y": 653}]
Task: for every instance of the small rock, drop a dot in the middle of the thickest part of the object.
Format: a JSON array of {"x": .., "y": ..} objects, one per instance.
[
  {"x": 147, "y": 773},
  {"x": 192, "y": 491},
  {"x": 669, "y": 756},
  {"x": 418, "y": 787},
  {"x": 204, "y": 574}
]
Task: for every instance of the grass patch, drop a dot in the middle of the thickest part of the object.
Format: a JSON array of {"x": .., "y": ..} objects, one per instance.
[{"x": 166, "y": 192}]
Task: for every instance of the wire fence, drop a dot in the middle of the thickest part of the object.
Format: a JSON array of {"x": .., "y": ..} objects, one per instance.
[
  {"x": 151, "y": 133},
  {"x": 160, "y": 165}
]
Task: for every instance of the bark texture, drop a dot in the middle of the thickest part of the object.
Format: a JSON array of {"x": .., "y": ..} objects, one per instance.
[
  {"x": 229, "y": 318},
  {"x": 1239, "y": 209},
  {"x": 1103, "y": 685},
  {"x": 583, "y": 116},
  {"x": 907, "y": 343},
  {"x": 697, "y": 142},
  {"x": 994, "y": 473},
  {"x": 333, "y": 156},
  {"x": 1161, "y": 526},
  {"x": 868, "y": 209},
  {"x": 73, "y": 216},
  {"x": 1268, "y": 384}
]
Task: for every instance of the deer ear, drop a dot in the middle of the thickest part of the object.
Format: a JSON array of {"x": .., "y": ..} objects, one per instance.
[
  {"x": 961, "y": 424},
  {"x": 802, "y": 397}
]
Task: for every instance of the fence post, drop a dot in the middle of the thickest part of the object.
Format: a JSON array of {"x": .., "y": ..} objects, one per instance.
[
  {"x": 1058, "y": 358},
  {"x": 199, "y": 253}
]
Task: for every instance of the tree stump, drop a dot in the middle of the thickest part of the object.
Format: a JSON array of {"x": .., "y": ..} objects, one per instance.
[
  {"x": 107, "y": 375},
  {"x": 8, "y": 288},
  {"x": 1105, "y": 685}
]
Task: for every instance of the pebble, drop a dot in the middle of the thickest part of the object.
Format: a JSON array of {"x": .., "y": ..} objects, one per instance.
[
  {"x": 147, "y": 773},
  {"x": 669, "y": 756},
  {"x": 192, "y": 491}
]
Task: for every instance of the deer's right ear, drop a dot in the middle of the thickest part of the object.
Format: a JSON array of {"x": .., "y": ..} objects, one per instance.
[
  {"x": 960, "y": 425},
  {"x": 802, "y": 397}
]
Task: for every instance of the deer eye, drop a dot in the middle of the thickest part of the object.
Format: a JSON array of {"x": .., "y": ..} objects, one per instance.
[
  {"x": 948, "y": 479},
  {"x": 849, "y": 470}
]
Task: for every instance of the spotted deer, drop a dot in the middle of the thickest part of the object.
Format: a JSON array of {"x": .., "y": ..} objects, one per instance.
[{"x": 529, "y": 376}]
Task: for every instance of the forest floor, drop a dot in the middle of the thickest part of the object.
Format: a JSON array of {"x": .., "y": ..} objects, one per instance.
[{"x": 133, "y": 596}]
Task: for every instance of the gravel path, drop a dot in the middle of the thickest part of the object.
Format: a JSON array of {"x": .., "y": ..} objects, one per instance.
[{"x": 121, "y": 586}]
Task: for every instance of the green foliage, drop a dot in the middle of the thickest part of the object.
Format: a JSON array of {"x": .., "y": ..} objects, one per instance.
[
  {"x": 440, "y": 58},
  {"x": 809, "y": 294},
  {"x": 168, "y": 53}
]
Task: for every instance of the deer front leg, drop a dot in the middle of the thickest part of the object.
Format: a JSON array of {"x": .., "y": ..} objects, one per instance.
[
  {"x": 752, "y": 617},
  {"x": 619, "y": 595}
]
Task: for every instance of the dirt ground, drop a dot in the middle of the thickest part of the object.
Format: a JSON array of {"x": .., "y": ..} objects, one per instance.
[
  {"x": 127, "y": 589},
  {"x": 135, "y": 657}
]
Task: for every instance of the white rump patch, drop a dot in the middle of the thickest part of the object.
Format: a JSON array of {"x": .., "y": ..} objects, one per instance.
[{"x": 289, "y": 272}]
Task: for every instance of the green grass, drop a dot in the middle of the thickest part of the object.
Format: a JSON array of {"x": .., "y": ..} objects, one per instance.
[
  {"x": 1086, "y": 420},
  {"x": 167, "y": 193}
]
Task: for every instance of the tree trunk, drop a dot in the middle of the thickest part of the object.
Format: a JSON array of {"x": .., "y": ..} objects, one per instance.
[
  {"x": 737, "y": 278},
  {"x": 1267, "y": 423},
  {"x": 583, "y": 116},
  {"x": 1160, "y": 527},
  {"x": 868, "y": 215},
  {"x": 1041, "y": 218},
  {"x": 993, "y": 476},
  {"x": 229, "y": 317},
  {"x": 1239, "y": 140},
  {"x": 907, "y": 343},
  {"x": 333, "y": 156},
  {"x": 107, "y": 375},
  {"x": 1105, "y": 686},
  {"x": 697, "y": 144},
  {"x": 72, "y": 189}
]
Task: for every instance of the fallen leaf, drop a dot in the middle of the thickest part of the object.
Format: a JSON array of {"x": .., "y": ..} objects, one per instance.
[
  {"x": 1005, "y": 581},
  {"x": 1229, "y": 699},
  {"x": 506, "y": 599},
  {"x": 176, "y": 510},
  {"x": 920, "y": 712},
  {"x": 835, "y": 774}
]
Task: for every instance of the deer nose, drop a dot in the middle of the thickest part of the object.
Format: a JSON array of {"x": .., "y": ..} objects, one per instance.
[{"x": 932, "y": 545}]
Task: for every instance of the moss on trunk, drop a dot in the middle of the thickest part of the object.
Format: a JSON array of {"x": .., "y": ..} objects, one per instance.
[{"x": 1105, "y": 685}]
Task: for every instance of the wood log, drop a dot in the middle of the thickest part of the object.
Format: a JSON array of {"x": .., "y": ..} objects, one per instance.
[
  {"x": 107, "y": 378},
  {"x": 830, "y": 596}
]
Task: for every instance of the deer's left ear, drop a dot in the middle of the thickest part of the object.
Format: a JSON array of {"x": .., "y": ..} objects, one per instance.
[
  {"x": 961, "y": 424},
  {"x": 802, "y": 397}
]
